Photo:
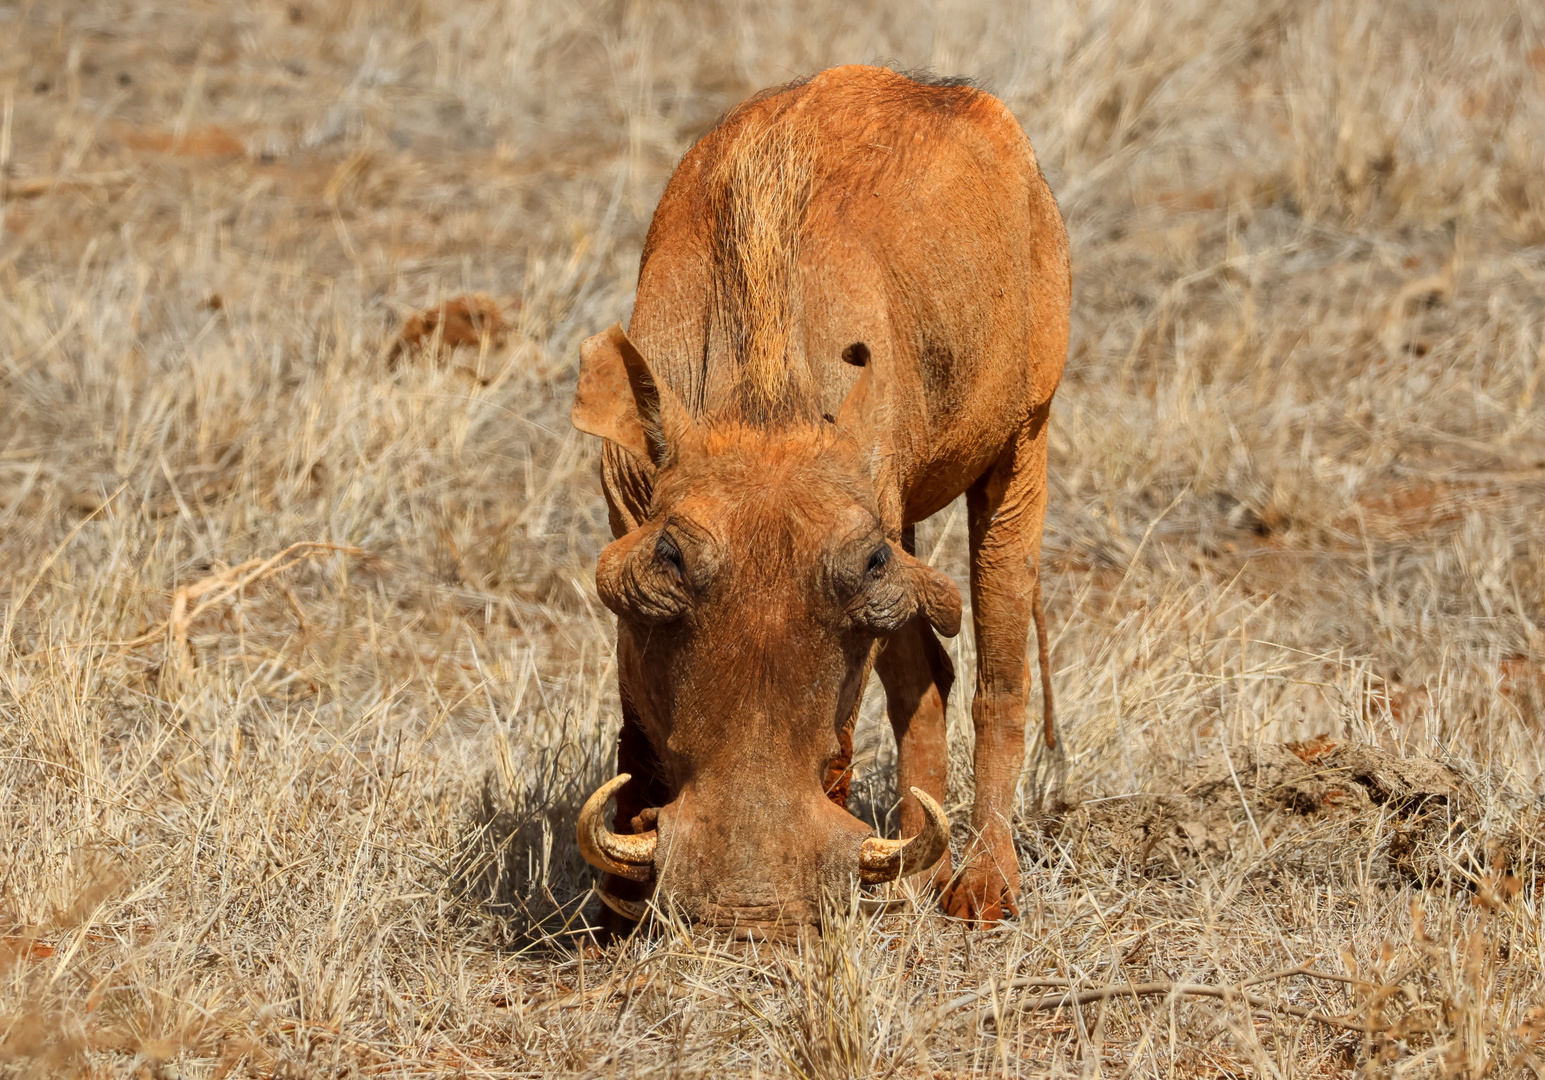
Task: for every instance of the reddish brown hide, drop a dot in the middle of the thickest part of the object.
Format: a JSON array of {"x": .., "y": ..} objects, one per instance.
[{"x": 852, "y": 307}]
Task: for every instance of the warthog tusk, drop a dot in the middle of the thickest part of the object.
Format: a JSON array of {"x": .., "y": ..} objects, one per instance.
[
  {"x": 628, "y": 909},
  {"x": 630, "y": 857},
  {"x": 886, "y": 860}
]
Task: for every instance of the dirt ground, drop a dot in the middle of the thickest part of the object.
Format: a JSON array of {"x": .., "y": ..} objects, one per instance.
[{"x": 302, "y": 672}]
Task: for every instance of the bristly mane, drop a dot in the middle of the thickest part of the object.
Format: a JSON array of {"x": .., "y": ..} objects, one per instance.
[
  {"x": 760, "y": 192},
  {"x": 925, "y": 77}
]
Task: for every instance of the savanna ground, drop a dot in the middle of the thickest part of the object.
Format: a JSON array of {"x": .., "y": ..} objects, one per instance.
[{"x": 307, "y": 811}]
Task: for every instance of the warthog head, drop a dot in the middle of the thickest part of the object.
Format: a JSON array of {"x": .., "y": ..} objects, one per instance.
[{"x": 749, "y": 603}]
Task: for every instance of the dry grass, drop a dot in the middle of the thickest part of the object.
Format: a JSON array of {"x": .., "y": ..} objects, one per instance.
[{"x": 312, "y": 817}]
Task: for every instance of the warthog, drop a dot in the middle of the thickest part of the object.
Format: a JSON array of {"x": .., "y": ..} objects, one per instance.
[{"x": 852, "y": 307}]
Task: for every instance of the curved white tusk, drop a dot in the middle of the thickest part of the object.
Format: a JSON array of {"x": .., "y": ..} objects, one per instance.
[
  {"x": 631, "y": 856},
  {"x": 628, "y": 909},
  {"x": 886, "y": 860}
]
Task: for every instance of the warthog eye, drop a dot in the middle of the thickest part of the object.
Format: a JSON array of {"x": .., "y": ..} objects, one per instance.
[
  {"x": 667, "y": 552},
  {"x": 879, "y": 558}
]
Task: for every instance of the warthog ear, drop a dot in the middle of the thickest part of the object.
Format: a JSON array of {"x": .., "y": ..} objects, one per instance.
[
  {"x": 861, "y": 424},
  {"x": 858, "y": 416},
  {"x": 618, "y": 398},
  {"x": 937, "y": 596}
]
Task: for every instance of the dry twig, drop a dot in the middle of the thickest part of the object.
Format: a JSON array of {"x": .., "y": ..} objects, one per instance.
[
  {"x": 35, "y": 186},
  {"x": 233, "y": 579}
]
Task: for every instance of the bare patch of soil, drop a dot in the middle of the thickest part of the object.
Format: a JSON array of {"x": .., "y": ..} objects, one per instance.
[{"x": 1317, "y": 808}]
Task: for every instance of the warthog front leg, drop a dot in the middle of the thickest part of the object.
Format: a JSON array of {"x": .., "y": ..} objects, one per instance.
[
  {"x": 1007, "y": 513},
  {"x": 917, "y": 675}
]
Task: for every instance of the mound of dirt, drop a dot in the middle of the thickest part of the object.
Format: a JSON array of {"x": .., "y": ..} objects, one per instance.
[
  {"x": 1319, "y": 808},
  {"x": 462, "y": 320}
]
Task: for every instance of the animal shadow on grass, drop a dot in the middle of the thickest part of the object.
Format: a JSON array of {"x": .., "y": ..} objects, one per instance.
[
  {"x": 515, "y": 867},
  {"x": 874, "y": 800}
]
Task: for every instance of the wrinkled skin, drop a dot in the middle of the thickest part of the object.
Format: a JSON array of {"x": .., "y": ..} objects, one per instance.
[
  {"x": 785, "y": 522},
  {"x": 765, "y": 459}
]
